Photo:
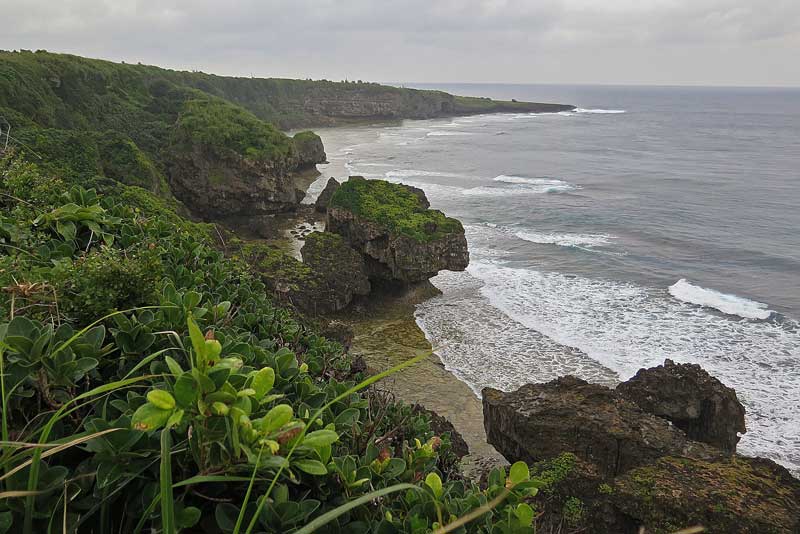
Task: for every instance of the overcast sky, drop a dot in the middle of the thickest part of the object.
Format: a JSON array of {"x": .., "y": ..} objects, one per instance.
[{"x": 674, "y": 42}]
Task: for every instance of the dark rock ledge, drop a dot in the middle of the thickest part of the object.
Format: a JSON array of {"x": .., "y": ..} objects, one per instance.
[{"x": 658, "y": 452}]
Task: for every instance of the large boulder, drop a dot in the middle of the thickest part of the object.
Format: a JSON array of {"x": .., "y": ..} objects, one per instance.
[
  {"x": 309, "y": 150},
  {"x": 401, "y": 239},
  {"x": 696, "y": 402},
  {"x": 225, "y": 164},
  {"x": 541, "y": 421},
  {"x": 324, "y": 198}
]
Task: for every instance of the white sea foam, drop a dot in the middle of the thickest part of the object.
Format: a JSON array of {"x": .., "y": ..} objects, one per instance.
[
  {"x": 437, "y": 133},
  {"x": 411, "y": 173},
  {"x": 626, "y": 327},
  {"x": 729, "y": 304},
  {"x": 599, "y": 111},
  {"x": 526, "y": 188},
  {"x": 566, "y": 240},
  {"x": 525, "y": 180}
]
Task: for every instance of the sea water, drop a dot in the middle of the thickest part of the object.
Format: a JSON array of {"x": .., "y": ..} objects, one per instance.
[{"x": 650, "y": 223}]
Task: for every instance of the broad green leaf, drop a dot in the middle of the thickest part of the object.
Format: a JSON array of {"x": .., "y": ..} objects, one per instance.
[
  {"x": 524, "y": 513},
  {"x": 312, "y": 467},
  {"x": 519, "y": 473},
  {"x": 276, "y": 418},
  {"x": 263, "y": 382},
  {"x": 149, "y": 417},
  {"x": 435, "y": 483},
  {"x": 320, "y": 438},
  {"x": 185, "y": 390},
  {"x": 187, "y": 517},
  {"x": 161, "y": 399}
]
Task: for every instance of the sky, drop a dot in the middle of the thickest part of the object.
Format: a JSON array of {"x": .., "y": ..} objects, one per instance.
[{"x": 650, "y": 42}]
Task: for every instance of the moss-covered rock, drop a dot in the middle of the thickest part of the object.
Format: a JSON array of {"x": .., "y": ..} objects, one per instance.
[
  {"x": 400, "y": 237},
  {"x": 339, "y": 268},
  {"x": 742, "y": 495}
]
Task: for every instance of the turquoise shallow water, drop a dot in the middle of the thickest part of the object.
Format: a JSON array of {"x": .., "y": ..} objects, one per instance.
[{"x": 652, "y": 223}]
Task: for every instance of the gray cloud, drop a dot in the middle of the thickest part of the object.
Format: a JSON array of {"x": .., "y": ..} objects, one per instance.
[{"x": 737, "y": 42}]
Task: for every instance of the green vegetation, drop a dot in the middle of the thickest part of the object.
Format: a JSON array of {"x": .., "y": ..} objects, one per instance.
[
  {"x": 148, "y": 383},
  {"x": 229, "y": 130},
  {"x": 395, "y": 207},
  {"x": 280, "y": 270}
]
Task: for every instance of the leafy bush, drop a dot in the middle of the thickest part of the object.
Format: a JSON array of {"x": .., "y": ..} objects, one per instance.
[{"x": 206, "y": 409}]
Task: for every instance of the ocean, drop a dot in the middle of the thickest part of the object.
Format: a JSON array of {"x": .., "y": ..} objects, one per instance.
[{"x": 651, "y": 223}]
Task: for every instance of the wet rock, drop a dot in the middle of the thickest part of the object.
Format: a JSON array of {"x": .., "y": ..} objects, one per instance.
[
  {"x": 541, "y": 421},
  {"x": 324, "y": 198},
  {"x": 696, "y": 402}
]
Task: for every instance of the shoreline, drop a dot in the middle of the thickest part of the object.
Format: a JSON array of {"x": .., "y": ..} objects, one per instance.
[{"x": 386, "y": 333}]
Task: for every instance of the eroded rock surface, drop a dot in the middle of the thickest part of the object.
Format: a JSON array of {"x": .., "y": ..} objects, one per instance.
[
  {"x": 219, "y": 185},
  {"x": 324, "y": 198},
  {"x": 541, "y": 421},
  {"x": 693, "y": 400},
  {"x": 339, "y": 270},
  {"x": 401, "y": 239}
]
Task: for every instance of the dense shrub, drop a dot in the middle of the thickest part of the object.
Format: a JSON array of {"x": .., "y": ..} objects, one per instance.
[{"x": 207, "y": 408}]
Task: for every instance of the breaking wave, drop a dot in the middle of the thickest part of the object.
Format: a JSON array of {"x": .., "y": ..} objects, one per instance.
[{"x": 728, "y": 304}]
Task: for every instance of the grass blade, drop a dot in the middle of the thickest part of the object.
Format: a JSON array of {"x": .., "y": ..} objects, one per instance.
[
  {"x": 329, "y": 516},
  {"x": 167, "y": 503}
]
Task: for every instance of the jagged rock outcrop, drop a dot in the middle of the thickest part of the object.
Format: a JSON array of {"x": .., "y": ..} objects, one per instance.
[
  {"x": 339, "y": 271},
  {"x": 216, "y": 188},
  {"x": 540, "y": 421},
  {"x": 324, "y": 198},
  {"x": 309, "y": 150},
  {"x": 223, "y": 184},
  {"x": 401, "y": 239},
  {"x": 634, "y": 469},
  {"x": 693, "y": 400}
]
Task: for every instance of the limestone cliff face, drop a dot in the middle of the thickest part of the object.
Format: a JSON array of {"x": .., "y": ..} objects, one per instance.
[
  {"x": 218, "y": 187},
  {"x": 394, "y": 257},
  {"x": 392, "y": 226}
]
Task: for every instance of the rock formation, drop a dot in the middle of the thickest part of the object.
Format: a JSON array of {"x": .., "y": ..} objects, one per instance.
[
  {"x": 634, "y": 468},
  {"x": 391, "y": 226},
  {"x": 693, "y": 400},
  {"x": 324, "y": 198},
  {"x": 220, "y": 185},
  {"x": 540, "y": 421},
  {"x": 339, "y": 270}
]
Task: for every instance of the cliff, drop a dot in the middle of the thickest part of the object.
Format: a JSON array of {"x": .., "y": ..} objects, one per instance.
[
  {"x": 81, "y": 82},
  {"x": 401, "y": 239}
]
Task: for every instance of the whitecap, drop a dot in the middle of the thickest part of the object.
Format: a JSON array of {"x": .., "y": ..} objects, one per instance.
[
  {"x": 566, "y": 240},
  {"x": 729, "y": 304},
  {"x": 412, "y": 173},
  {"x": 437, "y": 133},
  {"x": 520, "y": 189},
  {"x": 510, "y": 179},
  {"x": 599, "y": 111}
]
